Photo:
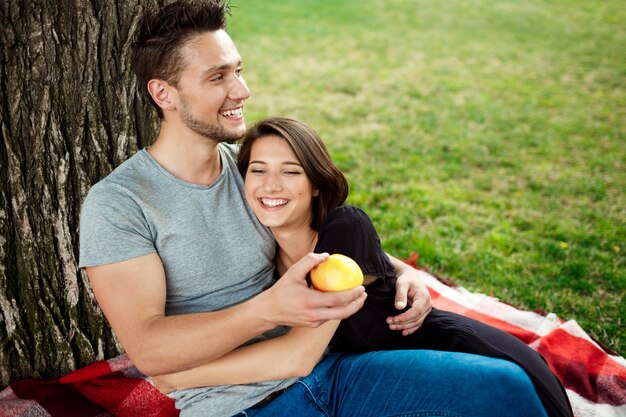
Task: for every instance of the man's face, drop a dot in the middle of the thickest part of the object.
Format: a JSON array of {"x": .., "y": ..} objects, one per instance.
[{"x": 211, "y": 89}]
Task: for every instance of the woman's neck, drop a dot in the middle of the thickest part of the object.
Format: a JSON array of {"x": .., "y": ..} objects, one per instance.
[{"x": 293, "y": 246}]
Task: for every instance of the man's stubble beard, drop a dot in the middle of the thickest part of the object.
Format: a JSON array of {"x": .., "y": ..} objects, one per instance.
[{"x": 217, "y": 134}]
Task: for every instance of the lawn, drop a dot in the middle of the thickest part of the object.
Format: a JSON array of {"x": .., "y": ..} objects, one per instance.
[{"x": 487, "y": 136}]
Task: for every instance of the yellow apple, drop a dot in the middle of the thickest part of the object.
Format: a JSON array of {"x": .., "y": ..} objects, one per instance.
[{"x": 337, "y": 273}]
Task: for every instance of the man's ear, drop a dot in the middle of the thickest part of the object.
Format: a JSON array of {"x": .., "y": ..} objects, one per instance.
[{"x": 162, "y": 94}]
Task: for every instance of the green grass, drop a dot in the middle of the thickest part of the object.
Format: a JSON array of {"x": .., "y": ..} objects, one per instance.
[{"x": 488, "y": 136}]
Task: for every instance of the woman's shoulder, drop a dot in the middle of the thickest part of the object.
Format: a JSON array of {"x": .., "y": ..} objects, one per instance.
[
  {"x": 348, "y": 230},
  {"x": 348, "y": 212},
  {"x": 346, "y": 218}
]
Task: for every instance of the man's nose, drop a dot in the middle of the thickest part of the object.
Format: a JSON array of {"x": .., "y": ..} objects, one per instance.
[{"x": 239, "y": 89}]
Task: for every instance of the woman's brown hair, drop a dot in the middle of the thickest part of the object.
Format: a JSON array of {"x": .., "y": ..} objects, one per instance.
[{"x": 312, "y": 155}]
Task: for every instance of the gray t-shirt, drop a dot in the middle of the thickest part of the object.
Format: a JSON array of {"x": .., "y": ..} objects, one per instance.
[{"x": 215, "y": 252}]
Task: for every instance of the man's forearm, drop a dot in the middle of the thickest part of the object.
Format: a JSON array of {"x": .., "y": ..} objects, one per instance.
[
  {"x": 176, "y": 343},
  {"x": 398, "y": 266},
  {"x": 294, "y": 354},
  {"x": 132, "y": 296}
]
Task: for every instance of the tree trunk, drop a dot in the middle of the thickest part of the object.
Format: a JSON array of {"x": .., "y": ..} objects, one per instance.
[{"x": 69, "y": 113}]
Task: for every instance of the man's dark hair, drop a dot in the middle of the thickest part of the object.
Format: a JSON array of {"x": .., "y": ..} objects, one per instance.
[{"x": 161, "y": 34}]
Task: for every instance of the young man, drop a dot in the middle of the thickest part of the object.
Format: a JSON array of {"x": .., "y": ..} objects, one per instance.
[{"x": 183, "y": 270}]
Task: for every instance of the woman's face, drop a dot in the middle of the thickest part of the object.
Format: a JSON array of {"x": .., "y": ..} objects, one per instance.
[{"x": 276, "y": 185}]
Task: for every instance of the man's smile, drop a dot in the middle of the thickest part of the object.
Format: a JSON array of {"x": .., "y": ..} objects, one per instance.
[{"x": 232, "y": 113}]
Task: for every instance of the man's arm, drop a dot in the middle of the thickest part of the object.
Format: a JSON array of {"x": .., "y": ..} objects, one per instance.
[
  {"x": 132, "y": 296},
  {"x": 294, "y": 354},
  {"x": 410, "y": 290}
]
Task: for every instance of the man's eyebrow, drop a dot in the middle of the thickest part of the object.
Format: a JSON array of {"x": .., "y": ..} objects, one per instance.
[{"x": 217, "y": 68}]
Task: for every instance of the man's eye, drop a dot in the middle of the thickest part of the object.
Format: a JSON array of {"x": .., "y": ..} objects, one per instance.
[
  {"x": 217, "y": 78},
  {"x": 239, "y": 71}
]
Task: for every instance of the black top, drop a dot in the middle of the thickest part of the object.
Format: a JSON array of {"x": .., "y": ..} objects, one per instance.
[{"x": 349, "y": 231}]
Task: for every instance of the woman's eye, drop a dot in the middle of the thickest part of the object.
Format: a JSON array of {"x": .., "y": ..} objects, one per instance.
[
  {"x": 293, "y": 172},
  {"x": 257, "y": 171}
]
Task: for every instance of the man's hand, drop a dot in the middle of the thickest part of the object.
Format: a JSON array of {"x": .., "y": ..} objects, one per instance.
[
  {"x": 410, "y": 291},
  {"x": 293, "y": 303}
]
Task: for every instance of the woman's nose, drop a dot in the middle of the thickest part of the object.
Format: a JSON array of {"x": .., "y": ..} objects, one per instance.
[{"x": 272, "y": 183}]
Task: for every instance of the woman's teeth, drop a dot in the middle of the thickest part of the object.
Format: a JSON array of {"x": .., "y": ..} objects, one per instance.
[{"x": 273, "y": 202}]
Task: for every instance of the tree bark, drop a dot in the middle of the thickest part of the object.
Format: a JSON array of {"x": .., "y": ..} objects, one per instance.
[{"x": 69, "y": 113}]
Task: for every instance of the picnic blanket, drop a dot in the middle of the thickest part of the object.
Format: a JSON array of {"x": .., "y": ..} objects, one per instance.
[{"x": 595, "y": 378}]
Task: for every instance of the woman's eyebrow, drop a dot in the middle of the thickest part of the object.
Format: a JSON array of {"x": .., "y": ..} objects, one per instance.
[{"x": 284, "y": 163}]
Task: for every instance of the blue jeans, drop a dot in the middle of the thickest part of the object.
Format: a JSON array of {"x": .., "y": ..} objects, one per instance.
[{"x": 408, "y": 383}]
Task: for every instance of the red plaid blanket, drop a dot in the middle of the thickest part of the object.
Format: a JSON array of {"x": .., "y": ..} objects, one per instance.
[
  {"x": 594, "y": 379},
  {"x": 105, "y": 388}
]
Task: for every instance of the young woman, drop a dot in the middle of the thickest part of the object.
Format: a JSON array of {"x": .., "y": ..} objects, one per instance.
[
  {"x": 297, "y": 192},
  {"x": 295, "y": 189}
]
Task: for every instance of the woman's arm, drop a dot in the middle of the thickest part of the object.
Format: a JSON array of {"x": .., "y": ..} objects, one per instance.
[{"x": 294, "y": 354}]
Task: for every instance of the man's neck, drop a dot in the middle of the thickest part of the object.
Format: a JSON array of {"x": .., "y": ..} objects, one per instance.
[{"x": 186, "y": 155}]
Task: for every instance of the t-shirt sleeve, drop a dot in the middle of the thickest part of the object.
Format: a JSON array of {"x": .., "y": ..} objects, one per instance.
[
  {"x": 113, "y": 228},
  {"x": 349, "y": 231}
]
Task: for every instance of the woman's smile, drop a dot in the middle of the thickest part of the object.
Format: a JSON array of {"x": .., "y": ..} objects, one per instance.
[
  {"x": 276, "y": 185},
  {"x": 273, "y": 202}
]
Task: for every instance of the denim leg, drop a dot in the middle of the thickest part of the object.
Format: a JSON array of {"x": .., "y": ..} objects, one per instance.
[
  {"x": 447, "y": 331},
  {"x": 296, "y": 401},
  {"x": 409, "y": 384}
]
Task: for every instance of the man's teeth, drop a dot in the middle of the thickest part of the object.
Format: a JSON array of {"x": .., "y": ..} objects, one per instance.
[
  {"x": 273, "y": 203},
  {"x": 233, "y": 112}
]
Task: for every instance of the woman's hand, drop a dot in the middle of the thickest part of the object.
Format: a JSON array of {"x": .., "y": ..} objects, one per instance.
[{"x": 410, "y": 291}]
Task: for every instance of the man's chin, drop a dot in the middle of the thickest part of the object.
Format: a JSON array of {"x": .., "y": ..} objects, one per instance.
[
  {"x": 224, "y": 135},
  {"x": 234, "y": 135},
  {"x": 218, "y": 133}
]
